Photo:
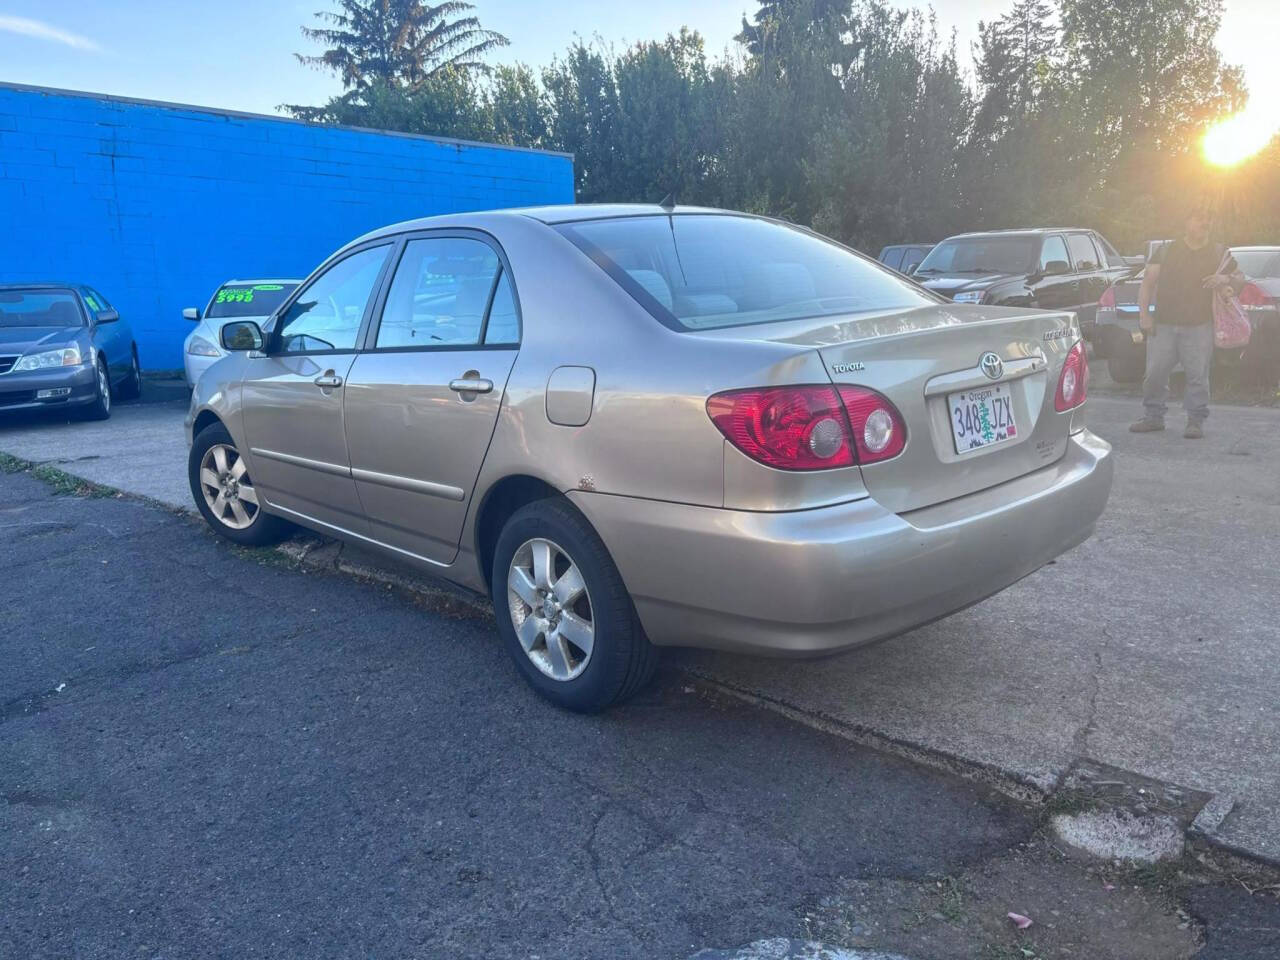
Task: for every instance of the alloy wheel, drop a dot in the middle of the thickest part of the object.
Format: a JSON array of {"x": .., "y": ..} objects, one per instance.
[
  {"x": 550, "y": 609},
  {"x": 104, "y": 386},
  {"x": 228, "y": 491}
]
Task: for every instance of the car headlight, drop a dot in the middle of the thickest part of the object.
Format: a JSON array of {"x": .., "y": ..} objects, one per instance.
[
  {"x": 200, "y": 347},
  {"x": 62, "y": 357},
  {"x": 968, "y": 296}
]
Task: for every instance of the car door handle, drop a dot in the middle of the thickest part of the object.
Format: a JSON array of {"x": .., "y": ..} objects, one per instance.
[
  {"x": 471, "y": 385},
  {"x": 328, "y": 380}
]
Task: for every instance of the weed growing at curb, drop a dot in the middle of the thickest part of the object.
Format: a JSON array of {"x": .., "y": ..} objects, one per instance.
[
  {"x": 11, "y": 464},
  {"x": 63, "y": 483}
]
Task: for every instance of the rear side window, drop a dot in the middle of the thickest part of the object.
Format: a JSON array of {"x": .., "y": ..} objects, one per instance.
[
  {"x": 1053, "y": 249},
  {"x": 504, "y": 322},
  {"x": 893, "y": 257},
  {"x": 705, "y": 271},
  {"x": 1110, "y": 256},
  {"x": 1083, "y": 252},
  {"x": 440, "y": 294}
]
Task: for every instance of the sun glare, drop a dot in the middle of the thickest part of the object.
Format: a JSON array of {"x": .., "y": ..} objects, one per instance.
[{"x": 1238, "y": 137}]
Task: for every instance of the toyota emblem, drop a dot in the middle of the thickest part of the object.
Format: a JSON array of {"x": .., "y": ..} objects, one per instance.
[{"x": 992, "y": 366}]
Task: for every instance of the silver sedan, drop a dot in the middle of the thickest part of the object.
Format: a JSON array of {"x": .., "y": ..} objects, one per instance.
[{"x": 636, "y": 426}]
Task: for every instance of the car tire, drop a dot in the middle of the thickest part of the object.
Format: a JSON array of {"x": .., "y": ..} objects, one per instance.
[
  {"x": 621, "y": 660},
  {"x": 131, "y": 389},
  {"x": 100, "y": 407},
  {"x": 1127, "y": 363},
  {"x": 225, "y": 495}
]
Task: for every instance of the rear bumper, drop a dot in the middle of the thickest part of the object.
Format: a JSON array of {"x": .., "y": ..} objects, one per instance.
[
  {"x": 818, "y": 581},
  {"x": 19, "y": 391}
]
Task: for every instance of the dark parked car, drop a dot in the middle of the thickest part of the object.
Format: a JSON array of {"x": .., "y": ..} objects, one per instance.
[
  {"x": 1053, "y": 268},
  {"x": 1118, "y": 339},
  {"x": 904, "y": 257},
  {"x": 64, "y": 345}
]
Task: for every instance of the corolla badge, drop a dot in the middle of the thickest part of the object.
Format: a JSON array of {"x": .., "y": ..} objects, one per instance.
[{"x": 991, "y": 365}]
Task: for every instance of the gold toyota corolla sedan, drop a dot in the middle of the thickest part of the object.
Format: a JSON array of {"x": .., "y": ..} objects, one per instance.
[{"x": 636, "y": 426}]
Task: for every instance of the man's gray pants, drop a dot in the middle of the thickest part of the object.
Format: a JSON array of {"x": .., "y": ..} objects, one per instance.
[{"x": 1167, "y": 346}]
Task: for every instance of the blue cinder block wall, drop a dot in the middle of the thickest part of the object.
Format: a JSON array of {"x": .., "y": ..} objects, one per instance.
[{"x": 156, "y": 204}]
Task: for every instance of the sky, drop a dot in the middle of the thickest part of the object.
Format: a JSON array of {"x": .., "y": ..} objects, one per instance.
[{"x": 238, "y": 54}]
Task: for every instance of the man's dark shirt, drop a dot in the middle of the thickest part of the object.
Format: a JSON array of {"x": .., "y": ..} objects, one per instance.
[{"x": 1181, "y": 298}]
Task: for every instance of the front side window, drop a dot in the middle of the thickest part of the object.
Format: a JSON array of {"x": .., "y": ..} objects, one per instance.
[
  {"x": 704, "y": 271},
  {"x": 1083, "y": 252},
  {"x": 440, "y": 293},
  {"x": 249, "y": 299},
  {"x": 979, "y": 255},
  {"x": 39, "y": 308},
  {"x": 1054, "y": 250},
  {"x": 328, "y": 313}
]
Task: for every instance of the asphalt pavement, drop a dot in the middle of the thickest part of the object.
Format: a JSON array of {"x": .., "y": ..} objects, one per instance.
[
  {"x": 202, "y": 750},
  {"x": 1154, "y": 647},
  {"x": 212, "y": 752}
]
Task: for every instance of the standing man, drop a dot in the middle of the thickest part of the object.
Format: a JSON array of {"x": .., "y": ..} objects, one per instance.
[{"x": 1183, "y": 275}]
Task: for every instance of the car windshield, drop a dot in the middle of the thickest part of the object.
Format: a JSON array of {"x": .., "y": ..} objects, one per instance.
[
  {"x": 705, "y": 271},
  {"x": 980, "y": 255},
  {"x": 39, "y": 308},
  {"x": 1258, "y": 264},
  {"x": 249, "y": 299}
]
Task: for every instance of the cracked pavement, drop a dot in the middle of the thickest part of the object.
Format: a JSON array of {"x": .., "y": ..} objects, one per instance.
[
  {"x": 201, "y": 752},
  {"x": 209, "y": 751},
  {"x": 1153, "y": 647}
]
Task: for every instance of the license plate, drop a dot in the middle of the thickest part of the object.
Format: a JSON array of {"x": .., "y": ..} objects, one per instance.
[{"x": 981, "y": 417}]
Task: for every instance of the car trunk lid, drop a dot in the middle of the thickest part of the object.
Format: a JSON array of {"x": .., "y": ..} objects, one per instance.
[{"x": 923, "y": 358}]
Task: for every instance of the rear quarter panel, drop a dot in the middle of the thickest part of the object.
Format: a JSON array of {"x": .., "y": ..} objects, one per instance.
[{"x": 649, "y": 434}]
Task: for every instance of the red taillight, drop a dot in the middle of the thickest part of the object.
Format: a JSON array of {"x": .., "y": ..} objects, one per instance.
[
  {"x": 792, "y": 428},
  {"x": 1073, "y": 382},
  {"x": 809, "y": 427},
  {"x": 1108, "y": 299},
  {"x": 1252, "y": 296},
  {"x": 878, "y": 430}
]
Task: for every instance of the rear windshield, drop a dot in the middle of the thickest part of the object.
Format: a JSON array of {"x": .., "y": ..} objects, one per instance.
[
  {"x": 249, "y": 299},
  {"x": 980, "y": 255},
  {"x": 703, "y": 271},
  {"x": 39, "y": 308},
  {"x": 1258, "y": 264}
]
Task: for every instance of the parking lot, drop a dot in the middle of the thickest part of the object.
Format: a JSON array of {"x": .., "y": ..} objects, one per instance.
[{"x": 1151, "y": 649}]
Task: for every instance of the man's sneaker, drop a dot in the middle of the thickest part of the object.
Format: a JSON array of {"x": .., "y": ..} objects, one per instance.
[
  {"x": 1146, "y": 425},
  {"x": 1194, "y": 431}
]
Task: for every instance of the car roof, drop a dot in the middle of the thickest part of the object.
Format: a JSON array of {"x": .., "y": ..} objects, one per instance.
[
  {"x": 262, "y": 280},
  {"x": 554, "y": 214},
  {"x": 43, "y": 285},
  {"x": 1022, "y": 231}
]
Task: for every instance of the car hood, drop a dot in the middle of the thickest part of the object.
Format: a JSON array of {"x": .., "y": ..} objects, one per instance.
[
  {"x": 26, "y": 339},
  {"x": 948, "y": 285}
]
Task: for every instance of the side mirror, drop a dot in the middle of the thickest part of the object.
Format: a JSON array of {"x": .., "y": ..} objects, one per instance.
[
  {"x": 910, "y": 268},
  {"x": 109, "y": 316},
  {"x": 1056, "y": 268},
  {"x": 241, "y": 335},
  {"x": 191, "y": 313}
]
